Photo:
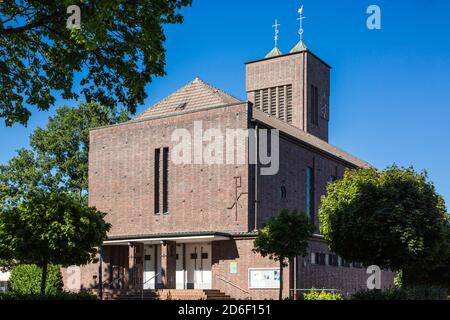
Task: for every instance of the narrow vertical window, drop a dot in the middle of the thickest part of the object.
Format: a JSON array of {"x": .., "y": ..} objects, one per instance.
[
  {"x": 265, "y": 100},
  {"x": 156, "y": 182},
  {"x": 281, "y": 103},
  {"x": 289, "y": 103},
  {"x": 273, "y": 102},
  {"x": 314, "y": 105},
  {"x": 258, "y": 99},
  {"x": 165, "y": 180},
  {"x": 310, "y": 193}
]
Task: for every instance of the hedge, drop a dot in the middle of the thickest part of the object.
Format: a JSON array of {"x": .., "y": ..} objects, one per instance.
[
  {"x": 411, "y": 293},
  {"x": 56, "y": 296},
  {"x": 26, "y": 279}
]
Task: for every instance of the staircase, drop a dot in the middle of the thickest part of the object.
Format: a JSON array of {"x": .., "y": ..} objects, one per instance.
[{"x": 167, "y": 294}]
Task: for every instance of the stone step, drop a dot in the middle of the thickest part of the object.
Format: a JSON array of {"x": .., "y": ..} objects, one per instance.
[{"x": 197, "y": 294}]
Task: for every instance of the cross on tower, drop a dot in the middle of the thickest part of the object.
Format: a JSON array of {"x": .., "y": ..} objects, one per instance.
[
  {"x": 277, "y": 31},
  {"x": 300, "y": 31}
]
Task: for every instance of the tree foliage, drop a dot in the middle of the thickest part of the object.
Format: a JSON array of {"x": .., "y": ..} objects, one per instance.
[
  {"x": 58, "y": 159},
  {"x": 51, "y": 228},
  {"x": 109, "y": 59},
  {"x": 393, "y": 219},
  {"x": 284, "y": 237}
]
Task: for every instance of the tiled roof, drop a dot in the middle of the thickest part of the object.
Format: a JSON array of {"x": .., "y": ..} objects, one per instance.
[
  {"x": 195, "y": 95},
  {"x": 308, "y": 139}
]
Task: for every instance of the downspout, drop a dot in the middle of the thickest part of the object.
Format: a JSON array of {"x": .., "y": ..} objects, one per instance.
[
  {"x": 305, "y": 101},
  {"x": 100, "y": 273},
  {"x": 256, "y": 177}
]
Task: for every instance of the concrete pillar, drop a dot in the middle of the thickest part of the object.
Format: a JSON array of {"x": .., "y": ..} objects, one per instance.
[
  {"x": 131, "y": 265},
  {"x": 168, "y": 264}
]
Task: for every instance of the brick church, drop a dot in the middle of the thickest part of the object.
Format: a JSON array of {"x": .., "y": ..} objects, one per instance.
[{"x": 190, "y": 227}]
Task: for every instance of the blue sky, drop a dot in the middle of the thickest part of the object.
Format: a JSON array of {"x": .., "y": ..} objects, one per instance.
[{"x": 390, "y": 88}]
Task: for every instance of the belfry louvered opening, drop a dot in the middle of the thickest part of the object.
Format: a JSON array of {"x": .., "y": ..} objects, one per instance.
[{"x": 275, "y": 101}]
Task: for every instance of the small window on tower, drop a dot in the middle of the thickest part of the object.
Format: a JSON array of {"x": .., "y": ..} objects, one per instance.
[
  {"x": 283, "y": 192},
  {"x": 314, "y": 104}
]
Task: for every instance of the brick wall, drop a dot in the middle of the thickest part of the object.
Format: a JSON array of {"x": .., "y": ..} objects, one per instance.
[
  {"x": 300, "y": 70},
  {"x": 318, "y": 74},
  {"x": 240, "y": 251},
  {"x": 121, "y": 178},
  {"x": 280, "y": 71},
  {"x": 294, "y": 159},
  {"x": 347, "y": 279}
]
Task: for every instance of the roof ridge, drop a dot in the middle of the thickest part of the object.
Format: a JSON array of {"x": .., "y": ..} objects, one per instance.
[
  {"x": 194, "y": 94},
  {"x": 215, "y": 89},
  {"x": 164, "y": 99}
]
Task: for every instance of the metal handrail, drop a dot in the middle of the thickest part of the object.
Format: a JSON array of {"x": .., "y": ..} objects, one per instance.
[
  {"x": 232, "y": 284},
  {"x": 112, "y": 281},
  {"x": 144, "y": 283}
]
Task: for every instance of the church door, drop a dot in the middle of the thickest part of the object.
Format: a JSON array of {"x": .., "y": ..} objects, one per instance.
[
  {"x": 198, "y": 265},
  {"x": 152, "y": 267}
]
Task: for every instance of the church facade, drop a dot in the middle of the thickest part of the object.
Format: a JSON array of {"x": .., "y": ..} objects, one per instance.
[{"x": 185, "y": 222}]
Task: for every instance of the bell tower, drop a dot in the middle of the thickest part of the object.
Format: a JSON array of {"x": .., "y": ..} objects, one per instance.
[{"x": 293, "y": 87}]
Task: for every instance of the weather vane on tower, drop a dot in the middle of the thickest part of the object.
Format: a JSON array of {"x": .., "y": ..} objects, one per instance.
[
  {"x": 277, "y": 31},
  {"x": 300, "y": 31}
]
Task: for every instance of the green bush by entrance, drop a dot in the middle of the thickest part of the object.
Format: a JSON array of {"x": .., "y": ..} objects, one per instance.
[
  {"x": 26, "y": 279},
  {"x": 9, "y": 296},
  {"x": 322, "y": 295}
]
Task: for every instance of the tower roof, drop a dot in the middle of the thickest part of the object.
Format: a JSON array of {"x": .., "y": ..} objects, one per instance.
[
  {"x": 275, "y": 52},
  {"x": 195, "y": 95},
  {"x": 299, "y": 47}
]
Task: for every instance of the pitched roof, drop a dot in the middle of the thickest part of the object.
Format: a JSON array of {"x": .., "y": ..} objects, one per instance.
[
  {"x": 308, "y": 139},
  {"x": 299, "y": 47},
  {"x": 275, "y": 52},
  {"x": 195, "y": 95}
]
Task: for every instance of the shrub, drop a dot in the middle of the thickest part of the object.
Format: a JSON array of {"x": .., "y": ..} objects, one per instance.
[
  {"x": 56, "y": 296},
  {"x": 26, "y": 279},
  {"x": 411, "y": 293},
  {"x": 322, "y": 295}
]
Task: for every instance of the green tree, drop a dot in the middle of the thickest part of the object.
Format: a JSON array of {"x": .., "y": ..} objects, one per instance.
[
  {"x": 51, "y": 228},
  {"x": 393, "y": 219},
  {"x": 109, "y": 59},
  {"x": 284, "y": 237},
  {"x": 58, "y": 159},
  {"x": 63, "y": 146}
]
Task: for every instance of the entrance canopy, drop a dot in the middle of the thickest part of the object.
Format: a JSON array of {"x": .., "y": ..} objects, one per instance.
[{"x": 180, "y": 237}]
